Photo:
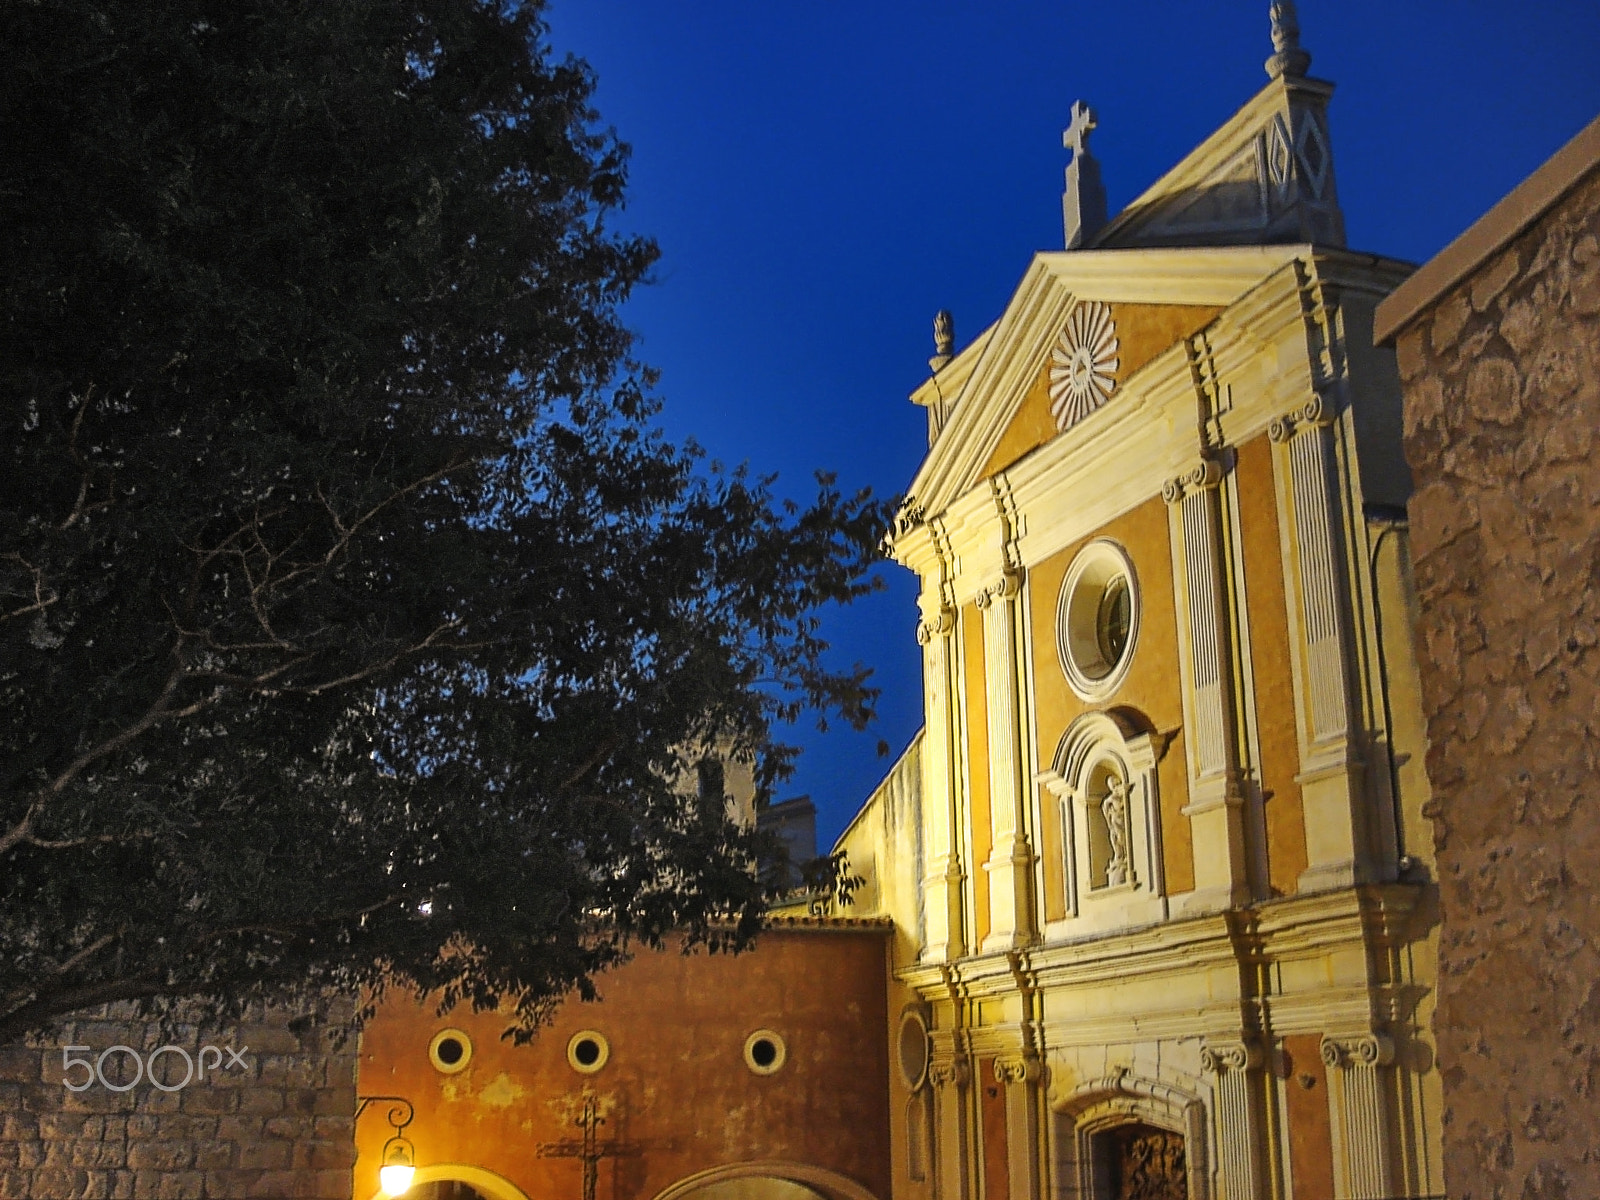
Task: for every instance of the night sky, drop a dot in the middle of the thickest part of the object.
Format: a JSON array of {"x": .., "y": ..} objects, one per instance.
[{"x": 822, "y": 177}]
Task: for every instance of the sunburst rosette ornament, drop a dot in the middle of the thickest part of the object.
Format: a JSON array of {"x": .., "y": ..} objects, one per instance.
[{"x": 1083, "y": 365}]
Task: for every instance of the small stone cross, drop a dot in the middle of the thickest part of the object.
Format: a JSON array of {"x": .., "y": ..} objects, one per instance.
[
  {"x": 590, "y": 1150},
  {"x": 1076, "y": 137}
]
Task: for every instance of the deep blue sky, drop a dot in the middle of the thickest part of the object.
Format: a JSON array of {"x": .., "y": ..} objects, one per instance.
[{"x": 823, "y": 176}]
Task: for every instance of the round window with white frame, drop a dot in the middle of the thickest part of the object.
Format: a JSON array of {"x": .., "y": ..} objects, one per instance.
[
  {"x": 765, "y": 1052},
  {"x": 587, "y": 1051},
  {"x": 1097, "y": 619},
  {"x": 450, "y": 1051}
]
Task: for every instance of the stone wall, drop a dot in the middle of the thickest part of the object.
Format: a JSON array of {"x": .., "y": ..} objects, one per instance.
[
  {"x": 1501, "y": 368},
  {"x": 273, "y": 1119}
]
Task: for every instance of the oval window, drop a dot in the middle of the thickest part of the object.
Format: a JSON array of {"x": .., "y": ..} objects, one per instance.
[{"x": 1097, "y": 620}]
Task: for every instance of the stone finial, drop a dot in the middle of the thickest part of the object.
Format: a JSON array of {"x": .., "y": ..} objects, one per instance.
[
  {"x": 1083, "y": 204},
  {"x": 944, "y": 339},
  {"x": 1287, "y": 58}
]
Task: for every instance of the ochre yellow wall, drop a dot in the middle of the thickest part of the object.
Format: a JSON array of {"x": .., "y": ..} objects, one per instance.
[
  {"x": 977, "y": 764},
  {"x": 1274, "y": 684},
  {"x": 1151, "y": 688},
  {"x": 1143, "y": 331},
  {"x": 676, "y": 1091}
]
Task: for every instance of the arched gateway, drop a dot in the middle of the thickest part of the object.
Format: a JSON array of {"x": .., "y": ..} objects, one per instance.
[
  {"x": 766, "y": 1180},
  {"x": 1127, "y": 1138}
]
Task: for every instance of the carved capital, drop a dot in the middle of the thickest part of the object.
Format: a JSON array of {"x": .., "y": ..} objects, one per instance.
[
  {"x": 1362, "y": 1050},
  {"x": 941, "y": 624},
  {"x": 1217, "y": 1057},
  {"x": 1207, "y": 473},
  {"x": 1017, "y": 1068},
  {"x": 1314, "y": 413},
  {"x": 950, "y": 1071},
  {"x": 1009, "y": 584}
]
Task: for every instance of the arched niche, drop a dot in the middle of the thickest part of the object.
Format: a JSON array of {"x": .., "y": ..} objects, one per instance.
[
  {"x": 1103, "y": 776},
  {"x": 1092, "y": 1118}
]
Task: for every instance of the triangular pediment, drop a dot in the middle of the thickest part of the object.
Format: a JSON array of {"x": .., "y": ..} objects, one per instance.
[{"x": 1000, "y": 399}]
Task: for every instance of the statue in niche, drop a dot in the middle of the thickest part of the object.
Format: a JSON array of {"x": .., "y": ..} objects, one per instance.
[{"x": 1114, "y": 810}]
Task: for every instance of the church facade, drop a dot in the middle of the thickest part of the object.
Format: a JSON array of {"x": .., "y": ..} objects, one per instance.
[
  {"x": 1148, "y": 910},
  {"x": 1159, "y": 862}
]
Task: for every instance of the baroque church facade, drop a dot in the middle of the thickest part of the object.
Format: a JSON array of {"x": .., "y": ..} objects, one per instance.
[{"x": 1147, "y": 911}]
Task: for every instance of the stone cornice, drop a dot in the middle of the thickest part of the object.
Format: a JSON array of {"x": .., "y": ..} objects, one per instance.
[{"x": 1374, "y": 916}]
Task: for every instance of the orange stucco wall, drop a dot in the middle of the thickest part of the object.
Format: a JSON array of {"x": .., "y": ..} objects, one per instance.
[
  {"x": 1274, "y": 683},
  {"x": 1143, "y": 331},
  {"x": 992, "y": 1113},
  {"x": 1151, "y": 688},
  {"x": 675, "y": 1093},
  {"x": 977, "y": 759},
  {"x": 1310, "y": 1132}
]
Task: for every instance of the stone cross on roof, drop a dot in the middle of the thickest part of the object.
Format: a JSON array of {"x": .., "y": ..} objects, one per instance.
[
  {"x": 1076, "y": 136},
  {"x": 1083, "y": 204}
]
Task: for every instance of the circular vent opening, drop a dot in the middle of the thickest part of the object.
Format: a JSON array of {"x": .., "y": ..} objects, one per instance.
[
  {"x": 450, "y": 1051},
  {"x": 587, "y": 1051},
  {"x": 764, "y": 1052}
]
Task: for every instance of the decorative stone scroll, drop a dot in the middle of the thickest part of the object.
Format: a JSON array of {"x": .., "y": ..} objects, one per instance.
[
  {"x": 1017, "y": 1067},
  {"x": 941, "y": 625},
  {"x": 947, "y": 1072}
]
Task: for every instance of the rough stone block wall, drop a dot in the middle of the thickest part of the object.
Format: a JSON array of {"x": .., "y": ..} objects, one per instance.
[
  {"x": 275, "y": 1122},
  {"x": 1502, "y": 389}
]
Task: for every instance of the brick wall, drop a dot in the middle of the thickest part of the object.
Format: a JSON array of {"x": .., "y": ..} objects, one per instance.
[
  {"x": 275, "y": 1122},
  {"x": 1502, "y": 383}
]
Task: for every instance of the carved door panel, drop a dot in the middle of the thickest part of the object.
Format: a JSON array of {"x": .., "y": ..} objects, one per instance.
[{"x": 1147, "y": 1164}]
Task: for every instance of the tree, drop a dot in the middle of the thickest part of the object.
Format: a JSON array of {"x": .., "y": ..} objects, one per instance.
[{"x": 355, "y": 620}]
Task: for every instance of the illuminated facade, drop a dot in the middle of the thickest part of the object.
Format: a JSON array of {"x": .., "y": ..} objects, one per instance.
[{"x": 1154, "y": 877}]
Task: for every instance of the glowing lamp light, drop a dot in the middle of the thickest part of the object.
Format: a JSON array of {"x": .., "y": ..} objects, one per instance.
[
  {"x": 395, "y": 1178},
  {"x": 399, "y": 1166}
]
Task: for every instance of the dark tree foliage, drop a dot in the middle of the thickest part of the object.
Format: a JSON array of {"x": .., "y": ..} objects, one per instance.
[{"x": 355, "y": 622}]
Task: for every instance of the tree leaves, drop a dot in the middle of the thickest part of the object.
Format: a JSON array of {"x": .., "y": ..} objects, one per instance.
[{"x": 355, "y": 622}]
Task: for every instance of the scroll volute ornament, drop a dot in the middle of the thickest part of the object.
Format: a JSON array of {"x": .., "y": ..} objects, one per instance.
[
  {"x": 1315, "y": 411},
  {"x": 1207, "y": 473},
  {"x": 1017, "y": 1068},
  {"x": 1363, "y": 1050},
  {"x": 1009, "y": 585},
  {"x": 947, "y": 1071},
  {"x": 941, "y": 624},
  {"x": 1217, "y": 1057}
]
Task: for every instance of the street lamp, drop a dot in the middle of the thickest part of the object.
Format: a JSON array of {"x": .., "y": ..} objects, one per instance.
[{"x": 398, "y": 1163}]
